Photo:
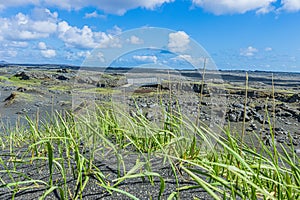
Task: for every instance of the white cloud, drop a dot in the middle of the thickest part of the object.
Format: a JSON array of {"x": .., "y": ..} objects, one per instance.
[
  {"x": 24, "y": 30},
  {"x": 75, "y": 37},
  {"x": 135, "y": 40},
  {"x": 94, "y": 15},
  {"x": 45, "y": 51},
  {"x": 108, "y": 41},
  {"x": 42, "y": 46},
  {"x": 43, "y": 27},
  {"x": 265, "y": 10},
  {"x": 290, "y": 5},
  {"x": 248, "y": 52},
  {"x": 85, "y": 38},
  {"x": 118, "y": 7},
  {"x": 49, "y": 53},
  {"x": 22, "y": 27},
  {"x": 151, "y": 59},
  {"x": 25, "y": 35},
  {"x": 185, "y": 57},
  {"x": 220, "y": 7},
  {"x": 178, "y": 42}
]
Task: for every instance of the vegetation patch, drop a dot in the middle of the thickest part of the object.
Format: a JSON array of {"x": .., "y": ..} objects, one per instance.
[
  {"x": 16, "y": 81},
  {"x": 69, "y": 150},
  {"x": 101, "y": 90},
  {"x": 3, "y": 78}
]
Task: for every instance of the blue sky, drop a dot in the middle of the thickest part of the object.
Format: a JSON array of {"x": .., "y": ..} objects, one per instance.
[{"x": 240, "y": 34}]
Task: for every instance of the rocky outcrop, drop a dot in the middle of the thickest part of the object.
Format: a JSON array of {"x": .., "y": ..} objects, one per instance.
[
  {"x": 62, "y": 78},
  {"x": 236, "y": 113},
  {"x": 187, "y": 87},
  {"x": 288, "y": 98},
  {"x": 22, "y": 75}
]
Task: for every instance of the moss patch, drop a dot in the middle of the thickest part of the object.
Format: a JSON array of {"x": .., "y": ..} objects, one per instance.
[
  {"x": 101, "y": 90},
  {"x": 18, "y": 82}
]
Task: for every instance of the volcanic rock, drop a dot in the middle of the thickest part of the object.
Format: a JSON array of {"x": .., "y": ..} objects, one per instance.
[
  {"x": 22, "y": 76},
  {"x": 62, "y": 78}
]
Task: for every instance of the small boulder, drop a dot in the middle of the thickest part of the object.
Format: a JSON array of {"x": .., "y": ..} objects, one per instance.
[
  {"x": 21, "y": 89},
  {"x": 294, "y": 98},
  {"x": 64, "y": 70},
  {"x": 62, "y": 78},
  {"x": 22, "y": 76},
  {"x": 10, "y": 99}
]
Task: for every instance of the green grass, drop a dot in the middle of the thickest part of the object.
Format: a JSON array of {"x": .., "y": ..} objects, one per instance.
[
  {"x": 99, "y": 90},
  {"x": 21, "y": 83},
  {"x": 220, "y": 164},
  {"x": 3, "y": 78}
]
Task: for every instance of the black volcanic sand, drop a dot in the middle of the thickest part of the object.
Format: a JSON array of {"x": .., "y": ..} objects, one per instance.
[
  {"x": 141, "y": 188},
  {"x": 44, "y": 90}
]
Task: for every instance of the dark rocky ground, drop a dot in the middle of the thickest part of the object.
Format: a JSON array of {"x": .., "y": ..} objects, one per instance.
[{"x": 43, "y": 90}]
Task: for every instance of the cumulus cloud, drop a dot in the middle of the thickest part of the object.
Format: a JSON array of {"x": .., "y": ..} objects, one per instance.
[
  {"x": 290, "y": 5},
  {"x": 73, "y": 36},
  {"x": 43, "y": 27},
  {"x": 118, "y": 7},
  {"x": 248, "y": 52},
  {"x": 178, "y": 42},
  {"x": 48, "y": 53},
  {"x": 220, "y": 7},
  {"x": 42, "y": 46},
  {"x": 150, "y": 59},
  {"x": 45, "y": 51},
  {"x": 85, "y": 38},
  {"x": 135, "y": 40},
  {"x": 27, "y": 30},
  {"x": 22, "y": 27}
]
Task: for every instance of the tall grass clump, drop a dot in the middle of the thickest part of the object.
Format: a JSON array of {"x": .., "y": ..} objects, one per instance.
[{"x": 67, "y": 152}]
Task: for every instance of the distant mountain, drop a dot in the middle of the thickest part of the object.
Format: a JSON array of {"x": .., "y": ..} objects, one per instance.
[{"x": 3, "y": 62}]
